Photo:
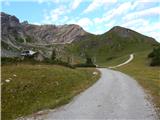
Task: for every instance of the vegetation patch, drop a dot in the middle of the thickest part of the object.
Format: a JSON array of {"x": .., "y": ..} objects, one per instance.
[
  {"x": 28, "y": 39},
  {"x": 29, "y": 88},
  {"x": 155, "y": 57},
  {"x": 115, "y": 61},
  {"x": 19, "y": 39},
  {"x": 89, "y": 63},
  {"x": 10, "y": 60},
  {"x": 4, "y": 45},
  {"x": 104, "y": 48}
]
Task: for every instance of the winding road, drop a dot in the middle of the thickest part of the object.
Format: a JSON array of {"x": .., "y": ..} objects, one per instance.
[
  {"x": 114, "y": 96},
  {"x": 126, "y": 62}
]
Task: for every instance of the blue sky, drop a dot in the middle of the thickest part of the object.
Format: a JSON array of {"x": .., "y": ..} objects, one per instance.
[{"x": 95, "y": 16}]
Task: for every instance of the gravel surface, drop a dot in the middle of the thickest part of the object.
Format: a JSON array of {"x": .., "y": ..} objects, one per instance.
[{"x": 114, "y": 96}]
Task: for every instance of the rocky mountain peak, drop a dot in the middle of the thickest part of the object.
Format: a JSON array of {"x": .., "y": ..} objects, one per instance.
[
  {"x": 10, "y": 20},
  {"x": 121, "y": 31}
]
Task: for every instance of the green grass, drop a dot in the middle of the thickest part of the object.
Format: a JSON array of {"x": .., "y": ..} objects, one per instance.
[
  {"x": 114, "y": 61},
  {"x": 28, "y": 39},
  {"x": 147, "y": 76},
  {"x": 37, "y": 87},
  {"x": 19, "y": 39}
]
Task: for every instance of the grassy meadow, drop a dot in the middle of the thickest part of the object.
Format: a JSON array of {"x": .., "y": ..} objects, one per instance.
[
  {"x": 115, "y": 61},
  {"x": 32, "y": 88}
]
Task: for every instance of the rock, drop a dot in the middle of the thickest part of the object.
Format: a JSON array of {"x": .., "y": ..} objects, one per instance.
[
  {"x": 95, "y": 73},
  {"x": 14, "y": 75},
  {"x": 7, "y": 80}
]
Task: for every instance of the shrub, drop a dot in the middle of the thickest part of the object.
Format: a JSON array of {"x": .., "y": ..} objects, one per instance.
[
  {"x": 19, "y": 39},
  {"x": 28, "y": 39},
  {"x": 16, "y": 60},
  {"x": 155, "y": 61},
  {"x": 89, "y": 63},
  {"x": 58, "y": 62},
  {"x": 155, "y": 57},
  {"x": 53, "y": 56},
  {"x": 84, "y": 65}
]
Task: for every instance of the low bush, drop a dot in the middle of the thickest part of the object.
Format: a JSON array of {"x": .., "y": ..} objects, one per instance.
[
  {"x": 155, "y": 57},
  {"x": 10, "y": 60},
  {"x": 30, "y": 60},
  {"x": 16, "y": 60},
  {"x": 84, "y": 65},
  {"x": 59, "y": 62},
  {"x": 89, "y": 63}
]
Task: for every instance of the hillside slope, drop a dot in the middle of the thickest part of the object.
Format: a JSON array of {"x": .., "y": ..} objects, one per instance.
[{"x": 115, "y": 43}]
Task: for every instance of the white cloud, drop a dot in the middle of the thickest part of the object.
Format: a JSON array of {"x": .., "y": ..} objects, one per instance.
[
  {"x": 155, "y": 34},
  {"x": 71, "y": 21},
  {"x": 145, "y": 27},
  {"x": 40, "y": 1},
  {"x": 97, "y": 32},
  {"x": 6, "y": 2},
  {"x": 150, "y": 28},
  {"x": 59, "y": 11},
  {"x": 97, "y": 3},
  {"x": 57, "y": 15},
  {"x": 149, "y": 0},
  {"x": 46, "y": 1},
  {"x": 36, "y": 23},
  {"x": 65, "y": 18},
  {"x": 75, "y": 4},
  {"x": 92, "y": 6},
  {"x": 135, "y": 22},
  {"x": 84, "y": 22},
  {"x": 143, "y": 13},
  {"x": 98, "y": 20},
  {"x": 110, "y": 24},
  {"x": 121, "y": 9}
]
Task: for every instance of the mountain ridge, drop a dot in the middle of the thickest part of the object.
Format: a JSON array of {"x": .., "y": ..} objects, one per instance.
[{"x": 17, "y": 36}]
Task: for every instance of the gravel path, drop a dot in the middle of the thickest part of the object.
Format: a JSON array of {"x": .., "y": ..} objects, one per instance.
[
  {"x": 114, "y": 96},
  {"x": 126, "y": 62}
]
